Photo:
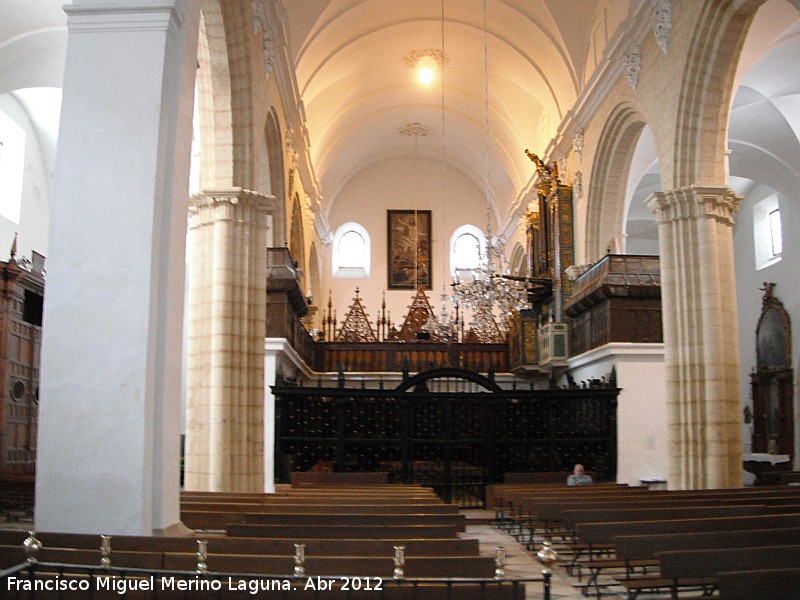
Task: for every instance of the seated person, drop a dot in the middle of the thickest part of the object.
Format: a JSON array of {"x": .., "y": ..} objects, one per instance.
[{"x": 578, "y": 477}]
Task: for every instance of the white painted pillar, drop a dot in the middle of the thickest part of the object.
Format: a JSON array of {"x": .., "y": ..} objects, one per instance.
[
  {"x": 271, "y": 362},
  {"x": 279, "y": 356},
  {"x": 109, "y": 420},
  {"x": 701, "y": 350},
  {"x": 227, "y": 324}
]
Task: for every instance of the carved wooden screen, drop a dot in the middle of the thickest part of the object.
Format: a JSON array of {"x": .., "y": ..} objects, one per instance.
[{"x": 450, "y": 429}]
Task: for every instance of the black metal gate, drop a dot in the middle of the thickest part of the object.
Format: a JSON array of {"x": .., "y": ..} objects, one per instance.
[{"x": 450, "y": 429}]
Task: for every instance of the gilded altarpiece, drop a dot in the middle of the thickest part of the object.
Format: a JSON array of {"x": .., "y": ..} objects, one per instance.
[{"x": 772, "y": 380}]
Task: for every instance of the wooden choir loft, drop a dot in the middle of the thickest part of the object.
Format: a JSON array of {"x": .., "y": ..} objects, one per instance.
[
  {"x": 615, "y": 300},
  {"x": 457, "y": 405}
]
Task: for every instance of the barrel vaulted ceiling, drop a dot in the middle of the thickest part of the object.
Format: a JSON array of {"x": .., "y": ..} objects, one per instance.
[
  {"x": 351, "y": 59},
  {"x": 358, "y": 92}
]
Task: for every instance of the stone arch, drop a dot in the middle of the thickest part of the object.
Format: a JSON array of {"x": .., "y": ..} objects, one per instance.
[
  {"x": 225, "y": 110},
  {"x": 272, "y": 179},
  {"x": 314, "y": 290},
  {"x": 518, "y": 261},
  {"x": 297, "y": 239},
  {"x": 700, "y": 156},
  {"x": 606, "y": 205}
]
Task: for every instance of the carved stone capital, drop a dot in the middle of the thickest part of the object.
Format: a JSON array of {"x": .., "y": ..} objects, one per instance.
[
  {"x": 695, "y": 202},
  {"x": 229, "y": 204}
]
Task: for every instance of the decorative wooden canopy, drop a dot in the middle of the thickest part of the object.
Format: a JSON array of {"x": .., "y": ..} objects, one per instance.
[
  {"x": 417, "y": 319},
  {"x": 356, "y": 326}
]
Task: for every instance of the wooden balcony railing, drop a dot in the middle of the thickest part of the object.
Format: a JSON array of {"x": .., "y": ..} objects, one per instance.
[{"x": 397, "y": 356}]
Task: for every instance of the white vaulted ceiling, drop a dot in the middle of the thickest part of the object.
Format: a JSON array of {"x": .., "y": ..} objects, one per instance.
[{"x": 358, "y": 91}]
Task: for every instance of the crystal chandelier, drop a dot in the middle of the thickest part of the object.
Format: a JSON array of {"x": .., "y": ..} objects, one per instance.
[{"x": 488, "y": 290}]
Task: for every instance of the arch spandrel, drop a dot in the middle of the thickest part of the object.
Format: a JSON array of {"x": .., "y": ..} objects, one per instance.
[
  {"x": 223, "y": 85},
  {"x": 609, "y": 178},
  {"x": 706, "y": 91}
]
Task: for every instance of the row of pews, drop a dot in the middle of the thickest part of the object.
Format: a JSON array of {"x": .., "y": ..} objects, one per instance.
[
  {"x": 725, "y": 542},
  {"x": 306, "y": 541}
]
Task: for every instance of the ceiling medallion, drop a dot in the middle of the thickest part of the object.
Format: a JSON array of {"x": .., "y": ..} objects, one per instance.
[
  {"x": 415, "y": 129},
  {"x": 414, "y": 56}
]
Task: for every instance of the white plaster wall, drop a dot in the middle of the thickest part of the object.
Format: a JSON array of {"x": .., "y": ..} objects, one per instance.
[
  {"x": 748, "y": 284},
  {"x": 641, "y": 409},
  {"x": 401, "y": 184},
  {"x": 34, "y": 223}
]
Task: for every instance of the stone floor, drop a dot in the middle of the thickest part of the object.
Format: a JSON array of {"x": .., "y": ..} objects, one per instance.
[{"x": 523, "y": 563}]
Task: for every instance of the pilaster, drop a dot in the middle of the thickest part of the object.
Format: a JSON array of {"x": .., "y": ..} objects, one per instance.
[
  {"x": 109, "y": 428},
  {"x": 700, "y": 335}
]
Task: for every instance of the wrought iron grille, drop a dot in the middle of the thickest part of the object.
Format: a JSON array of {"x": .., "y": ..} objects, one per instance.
[{"x": 450, "y": 429}]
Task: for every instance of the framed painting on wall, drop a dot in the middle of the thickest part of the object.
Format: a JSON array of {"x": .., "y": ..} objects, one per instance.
[{"x": 409, "y": 249}]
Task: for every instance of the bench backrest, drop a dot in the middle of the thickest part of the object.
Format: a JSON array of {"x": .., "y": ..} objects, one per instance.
[
  {"x": 398, "y": 532},
  {"x": 221, "y": 520},
  {"x": 552, "y": 510},
  {"x": 633, "y": 547},
  {"x": 306, "y": 507},
  {"x": 572, "y": 518},
  {"x": 775, "y": 584},
  {"x": 603, "y": 533},
  {"x": 702, "y": 563}
]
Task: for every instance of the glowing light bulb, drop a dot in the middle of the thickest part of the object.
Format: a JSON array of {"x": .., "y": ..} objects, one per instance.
[
  {"x": 425, "y": 75},
  {"x": 426, "y": 71}
]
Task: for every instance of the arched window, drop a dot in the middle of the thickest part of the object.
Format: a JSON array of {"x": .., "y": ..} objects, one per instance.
[
  {"x": 351, "y": 251},
  {"x": 467, "y": 246},
  {"x": 767, "y": 232}
]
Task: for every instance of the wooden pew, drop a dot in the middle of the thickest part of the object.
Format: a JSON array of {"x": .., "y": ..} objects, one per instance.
[
  {"x": 775, "y": 584},
  {"x": 251, "y": 545},
  {"x": 679, "y": 564},
  {"x": 324, "y": 477},
  {"x": 515, "y": 507},
  {"x": 222, "y": 520},
  {"x": 604, "y": 533},
  {"x": 549, "y": 507},
  {"x": 388, "y": 589},
  {"x": 269, "y": 499},
  {"x": 641, "y": 516},
  {"x": 548, "y": 515},
  {"x": 459, "y": 521},
  {"x": 305, "y": 507},
  {"x": 680, "y": 569},
  {"x": 601, "y": 535},
  {"x": 360, "y": 566},
  {"x": 573, "y": 518},
  {"x": 644, "y": 547},
  {"x": 397, "y": 532}
]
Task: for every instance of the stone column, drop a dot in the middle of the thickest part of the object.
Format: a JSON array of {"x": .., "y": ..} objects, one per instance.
[
  {"x": 109, "y": 420},
  {"x": 227, "y": 325},
  {"x": 698, "y": 295}
]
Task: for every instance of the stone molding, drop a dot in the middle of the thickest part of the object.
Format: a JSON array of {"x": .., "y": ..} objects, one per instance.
[
  {"x": 133, "y": 16},
  {"x": 662, "y": 23},
  {"x": 694, "y": 202},
  {"x": 233, "y": 204}
]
